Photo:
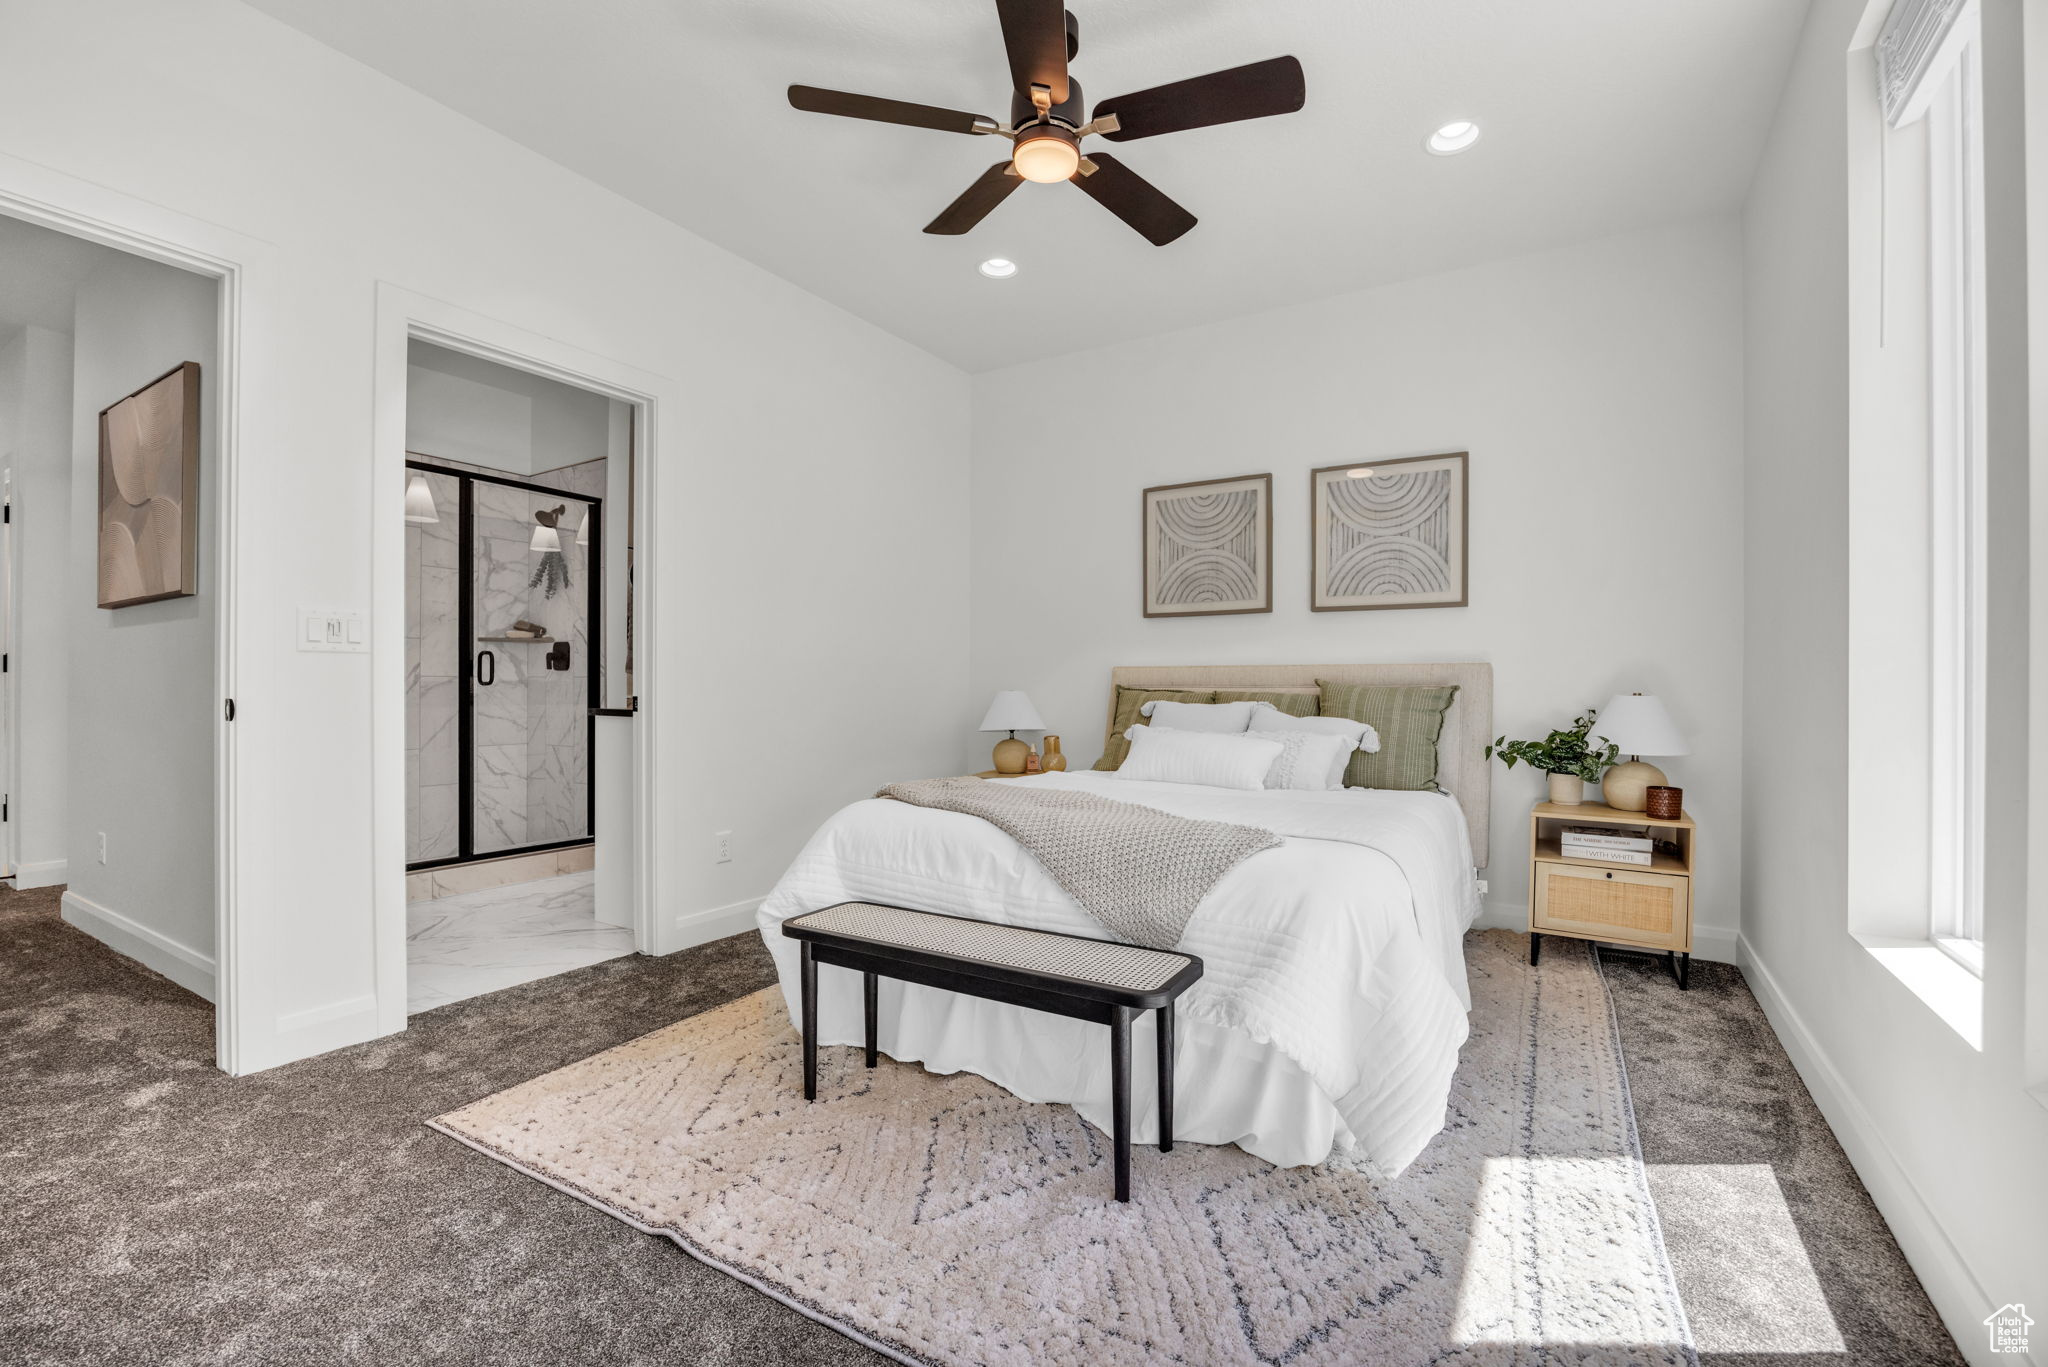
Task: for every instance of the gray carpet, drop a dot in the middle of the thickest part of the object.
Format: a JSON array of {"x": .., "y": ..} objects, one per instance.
[{"x": 157, "y": 1212}]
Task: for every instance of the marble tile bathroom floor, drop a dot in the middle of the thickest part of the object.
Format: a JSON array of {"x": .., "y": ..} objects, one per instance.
[{"x": 477, "y": 942}]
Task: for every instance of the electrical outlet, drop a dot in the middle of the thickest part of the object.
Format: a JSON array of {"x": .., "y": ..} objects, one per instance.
[
  {"x": 103, "y": 847},
  {"x": 1482, "y": 887},
  {"x": 724, "y": 846}
]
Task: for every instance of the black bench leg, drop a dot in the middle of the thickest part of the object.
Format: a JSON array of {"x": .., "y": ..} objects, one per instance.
[
  {"x": 810, "y": 995},
  {"x": 868, "y": 987},
  {"x": 1166, "y": 1078},
  {"x": 1120, "y": 1096}
]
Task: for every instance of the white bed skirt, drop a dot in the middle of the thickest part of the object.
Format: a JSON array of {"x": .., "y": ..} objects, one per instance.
[{"x": 1228, "y": 1088}]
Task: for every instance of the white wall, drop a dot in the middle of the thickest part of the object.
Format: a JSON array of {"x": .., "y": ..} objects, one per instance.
[
  {"x": 807, "y": 490},
  {"x": 35, "y": 406},
  {"x": 1945, "y": 1136},
  {"x": 1598, "y": 390},
  {"x": 467, "y": 409},
  {"x": 142, "y": 694}
]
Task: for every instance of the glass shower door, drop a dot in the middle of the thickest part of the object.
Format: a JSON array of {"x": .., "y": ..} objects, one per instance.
[
  {"x": 434, "y": 660},
  {"x": 530, "y": 614}
]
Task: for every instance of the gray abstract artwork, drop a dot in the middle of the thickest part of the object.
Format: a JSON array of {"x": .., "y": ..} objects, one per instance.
[
  {"x": 1394, "y": 538},
  {"x": 1208, "y": 548}
]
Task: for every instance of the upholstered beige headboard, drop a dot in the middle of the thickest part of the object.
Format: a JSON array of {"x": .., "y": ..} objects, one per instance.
[{"x": 1462, "y": 768}]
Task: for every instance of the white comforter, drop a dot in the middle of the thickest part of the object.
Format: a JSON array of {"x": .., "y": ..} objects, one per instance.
[{"x": 1333, "y": 1000}]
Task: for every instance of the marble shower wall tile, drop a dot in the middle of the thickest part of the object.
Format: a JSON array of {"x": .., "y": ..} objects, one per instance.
[
  {"x": 437, "y": 738},
  {"x": 441, "y": 649},
  {"x": 498, "y": 713},
  {"x": 438, "y": 834},
  {"x": 499, "y": 776}
]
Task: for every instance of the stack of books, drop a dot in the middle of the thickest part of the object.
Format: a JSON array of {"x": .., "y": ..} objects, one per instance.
[{"x": 1607, "y": 844}]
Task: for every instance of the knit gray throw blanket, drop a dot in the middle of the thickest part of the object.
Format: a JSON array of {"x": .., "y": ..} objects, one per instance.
[{"x": 1139, "y": 871}]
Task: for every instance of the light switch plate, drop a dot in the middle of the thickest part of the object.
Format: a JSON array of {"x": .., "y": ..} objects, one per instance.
[{"x": 333, "y": 631}]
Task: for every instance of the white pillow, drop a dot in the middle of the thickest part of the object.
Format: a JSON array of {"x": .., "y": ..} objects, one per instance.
[
  {"x": 1308, "y": 762},
  {"x": 1168, "y": 756},
  {"x": 1363, "y": 737},
  {"x": 1226, "y": 718}
]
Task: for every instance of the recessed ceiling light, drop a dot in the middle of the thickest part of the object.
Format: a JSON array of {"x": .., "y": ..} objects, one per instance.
[
  {"x": 1452, "y": 138},
  {"x": 998, "y": 268},
  {"x": 1359, "y": 472}
]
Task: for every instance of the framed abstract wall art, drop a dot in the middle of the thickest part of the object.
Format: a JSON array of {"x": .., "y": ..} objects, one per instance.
[
  {"x": 149, "y": 492},
  {"x": 1209, "y": 547},
  {"x": 1388, "y": 534}
]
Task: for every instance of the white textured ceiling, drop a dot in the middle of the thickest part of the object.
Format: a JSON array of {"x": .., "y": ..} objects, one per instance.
[{"x": 1599, "y": 116}]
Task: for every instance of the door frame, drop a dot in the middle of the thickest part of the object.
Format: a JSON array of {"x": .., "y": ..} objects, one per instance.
[
  {"x": 403, "y": 316},
  {"x": 242, "y": 268}
]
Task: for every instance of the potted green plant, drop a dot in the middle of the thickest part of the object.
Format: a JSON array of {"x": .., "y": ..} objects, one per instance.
[{"x": 1566, "y": 755}]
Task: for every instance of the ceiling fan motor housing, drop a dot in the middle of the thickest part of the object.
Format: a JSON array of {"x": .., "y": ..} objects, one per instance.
[{"x": 1073, "y": 111}]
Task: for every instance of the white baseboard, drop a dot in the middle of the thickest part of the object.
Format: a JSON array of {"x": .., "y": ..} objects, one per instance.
[
  {"x": 1716, "y": 944},
  {"x": 715, "y": 923},
  {"x": 1958, "y": 1296},
  {"x": 41, "y": 873},
  {"x": 182, "y": 964}
]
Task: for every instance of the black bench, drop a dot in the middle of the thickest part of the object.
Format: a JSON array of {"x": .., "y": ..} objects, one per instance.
[{"x": 1068, "y": 975}]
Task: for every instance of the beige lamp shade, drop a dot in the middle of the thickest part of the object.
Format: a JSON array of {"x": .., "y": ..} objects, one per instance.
[
  {"x": 1012, "y": 711},
  {"x": 1638, "y": 725}
]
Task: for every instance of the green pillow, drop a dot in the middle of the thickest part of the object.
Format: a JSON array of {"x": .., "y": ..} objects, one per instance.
[
  {"x": 1409, "y": 719},
  {"x": 1125, "y": 714},
  {"x": 1293, "y": 704}
]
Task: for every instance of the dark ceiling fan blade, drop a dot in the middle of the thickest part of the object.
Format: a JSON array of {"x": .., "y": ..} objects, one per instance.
[
  {"x": 809, "y": 97},
  {"x": 1134, "y": 199},
  {"x": 1035, "y": 32},
  {"x": 1256, "y": 91},
  {"x": 991, "y": 188}
]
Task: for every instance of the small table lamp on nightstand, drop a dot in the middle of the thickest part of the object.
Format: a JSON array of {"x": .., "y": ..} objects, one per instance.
[
  {"x": 1012, "y": 712},
  {"x": 1638, "y": 725}
]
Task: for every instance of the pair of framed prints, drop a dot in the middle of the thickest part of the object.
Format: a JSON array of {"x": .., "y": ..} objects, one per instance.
[{"x": 1389, "y": 534}]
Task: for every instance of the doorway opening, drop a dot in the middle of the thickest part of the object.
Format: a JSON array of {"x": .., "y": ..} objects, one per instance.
[
  {"x": 112, "y": 536},
  {"x": 509, "y": 478}
]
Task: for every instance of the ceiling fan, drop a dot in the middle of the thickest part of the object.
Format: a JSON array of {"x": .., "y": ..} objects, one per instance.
[{"x": 1047, "y": 124}]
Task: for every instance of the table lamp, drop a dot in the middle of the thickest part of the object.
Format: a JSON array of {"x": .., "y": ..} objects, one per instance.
[
  {"x": 1012, "y": 712},
  {"x": 1638, "y": 725}
]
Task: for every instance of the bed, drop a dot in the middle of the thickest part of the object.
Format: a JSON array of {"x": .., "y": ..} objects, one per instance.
[{"x": 1334, "y": 1001}]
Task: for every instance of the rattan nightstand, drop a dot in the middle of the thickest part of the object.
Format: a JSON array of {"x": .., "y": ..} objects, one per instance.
[{"x": 1641, "y": 907}]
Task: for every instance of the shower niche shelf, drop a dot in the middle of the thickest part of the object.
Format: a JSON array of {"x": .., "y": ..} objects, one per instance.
[{"x": 521, "y": 640}]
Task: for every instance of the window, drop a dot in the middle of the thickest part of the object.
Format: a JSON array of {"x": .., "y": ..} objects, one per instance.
[{"x": 1928, "y": 61}]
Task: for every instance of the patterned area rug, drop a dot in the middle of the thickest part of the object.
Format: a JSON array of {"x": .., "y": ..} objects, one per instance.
[{"x": 942, "y": 1220}]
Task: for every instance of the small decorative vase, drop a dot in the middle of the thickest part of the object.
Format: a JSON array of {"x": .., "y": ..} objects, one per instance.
[
  {"x": 1566, "y": 791},
  {"x": 1664, "y": 803},
  {"x": 1055, "y": 761}
]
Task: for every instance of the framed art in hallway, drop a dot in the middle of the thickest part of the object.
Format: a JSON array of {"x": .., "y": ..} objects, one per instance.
[
  {"x": 1209, "y": 547},
  {"x": 1388, "y": 534},
  {"x": 149, "y": 492}
]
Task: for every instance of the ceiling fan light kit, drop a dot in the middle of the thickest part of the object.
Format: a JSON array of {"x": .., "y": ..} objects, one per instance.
[{"x": 1046, "y": 125}]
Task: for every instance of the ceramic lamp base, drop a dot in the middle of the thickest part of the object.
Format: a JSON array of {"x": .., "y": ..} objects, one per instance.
[
  {"x": 1625, "y": 784},
  {"x": 1010, "y": 755}
]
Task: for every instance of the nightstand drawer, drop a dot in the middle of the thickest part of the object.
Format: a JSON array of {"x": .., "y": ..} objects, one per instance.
[{"x": 1653, "y": 910}]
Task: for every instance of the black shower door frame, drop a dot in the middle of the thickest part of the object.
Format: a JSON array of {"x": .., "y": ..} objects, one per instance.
[{"x": 465, "y": 722}]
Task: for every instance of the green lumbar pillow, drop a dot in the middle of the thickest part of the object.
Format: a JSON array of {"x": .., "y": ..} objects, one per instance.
[
  {"x": 1409, "y": 718},
  {"x": 1125, "y": 716},
  {"x": 1293, "y": 704}
]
